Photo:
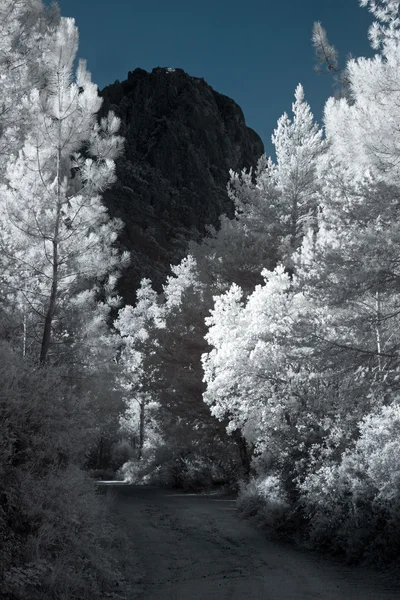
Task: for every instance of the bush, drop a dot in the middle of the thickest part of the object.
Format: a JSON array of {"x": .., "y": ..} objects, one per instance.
[
  {"x": 56, "y": 534},
  {"x": 264, "y": 501},
  {"x": 122, "y": 453},
  {"x": 103, "y": 475},
  {"x": 131, "y": 472},
  {"x": 353, "y": 507},
  {"x": 187, "y": 467}
]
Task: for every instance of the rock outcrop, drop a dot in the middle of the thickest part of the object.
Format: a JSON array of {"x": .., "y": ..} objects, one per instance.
[{"x": 181, "y": 139}]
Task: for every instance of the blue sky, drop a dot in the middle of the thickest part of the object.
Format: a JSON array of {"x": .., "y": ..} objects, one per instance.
[{"x": 254, "y": 51}]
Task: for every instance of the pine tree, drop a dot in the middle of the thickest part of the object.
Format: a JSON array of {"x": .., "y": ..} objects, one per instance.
[
  {"x": 244, "y": 245},
  {"x": 364, "y": 128},
  {"x": 298, "y": 145},
  {"x": 24, "y": 36},
  {"x": 351, "y": 266},
  {"x": 55, "y": 235},
  {"x": 325, "y": 53}
]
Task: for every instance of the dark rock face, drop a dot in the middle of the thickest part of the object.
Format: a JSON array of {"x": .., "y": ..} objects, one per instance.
[{"x": 181, "y": 139}]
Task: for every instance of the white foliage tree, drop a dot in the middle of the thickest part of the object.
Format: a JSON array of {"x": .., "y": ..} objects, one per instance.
[
  {"x": 260, "y": 362},
  {"x": 153, "y": 359},
  {"x": 162, "y": 340},
  {"x": 307, "y": 366},
  {"x": 24, "y": 37},
  {"x": 364, "y": 130},
  {"x": 298, "y": 145},
  {"x": 385, "y": 28},
  {"x": 136, "y": 326},
  {"x": 55, "y": 235},
  {"x": 158, "y": 335},
  {"x": 351, "y": 266},
  {"x": 244, "y": 245}
]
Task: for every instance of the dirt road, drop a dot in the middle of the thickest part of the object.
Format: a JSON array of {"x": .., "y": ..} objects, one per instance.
[{"x": 192, "y": 547}]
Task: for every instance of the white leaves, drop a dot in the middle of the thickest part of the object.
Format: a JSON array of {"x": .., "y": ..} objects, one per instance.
[
  {"x": 386, "y": 28},
  {"x": 248, "y": 370},
  {"x": 65, "y": 47},
  {"x": 369, "y": 470},
  {"x": 23, "y": 39},
  {"x": 363, "y": 131},
  {"x": 83, "y": 78},
  {"x": 133, "y": 322},
  {"x": 184, "y": 276},
  {"x": 136, "y": 327},
  {"x": 299, "y": 146},
  {"x": 111, "y": 123},
  {"x": 54, "y": 230},
  {"x": 364, "y": 134},
  {"x": 104, "y": 143}
]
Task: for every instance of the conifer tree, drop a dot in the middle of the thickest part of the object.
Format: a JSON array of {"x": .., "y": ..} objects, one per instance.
[
  {"x": 244, "y": 245},
  {"x": 325, "y": 53},
  {"x": 55, "y": 234},
  {"x": 24, "y": 35},
  {"x": 298, "y": 145}
]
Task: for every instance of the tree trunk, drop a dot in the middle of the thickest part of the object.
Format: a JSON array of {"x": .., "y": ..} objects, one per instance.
[
  {"x": 245, "y": 456},
  {"x": 48, "y": 322},
  {"x": 294, "y": 222},
  {"x": 141, "y": 430},
  {"x": 378, "y": 328},
  {"x": 24, "y": 337},
  {"x": 47, "y": 326}
]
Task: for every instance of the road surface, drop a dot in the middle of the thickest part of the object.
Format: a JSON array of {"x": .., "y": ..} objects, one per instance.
[{"x": 194, "y": 547}]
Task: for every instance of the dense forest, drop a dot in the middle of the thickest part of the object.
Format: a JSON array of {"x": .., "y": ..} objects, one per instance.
[{"x": 268, "y": 359}]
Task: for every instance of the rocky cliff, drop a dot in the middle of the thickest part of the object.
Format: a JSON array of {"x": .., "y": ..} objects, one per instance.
[{"x": 182, "y": 137}]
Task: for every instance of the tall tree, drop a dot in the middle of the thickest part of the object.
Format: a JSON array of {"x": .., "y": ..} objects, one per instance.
[
  {"x": 298, "y": 145},
  {"x": 55, "y": 235},
  {"x": 24, "y": 36},
  {"x": 352, "y": 264},
  {"x": 364, "y": 128},
  {"x": 163, "y": 339},
  {"x": 138, "y": 327},
  {"x": 244, "y": 245},
  {"x": 260, "y": 372}
]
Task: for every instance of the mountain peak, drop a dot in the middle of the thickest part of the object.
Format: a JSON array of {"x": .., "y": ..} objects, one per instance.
[{"x": 181, "y": 139}]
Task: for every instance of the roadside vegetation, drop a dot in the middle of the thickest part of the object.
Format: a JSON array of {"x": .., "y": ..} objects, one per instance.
[
  {"x": 269, "y": 361},
  {"x": 58, "y": 268},
  {"x": 283, "y": 324}
]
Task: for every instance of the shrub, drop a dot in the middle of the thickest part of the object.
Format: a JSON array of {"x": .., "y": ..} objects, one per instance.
[
  {"x": 184, "y": 466},
  {"x": 56, "y": 534},
  {"x": 130, "y": 472},
  {"x": 353, "y": 507},
  {"x": 264, "y": 501},
  {"x": 103, "y": 475},
  {"x": 122, "y": 452}
]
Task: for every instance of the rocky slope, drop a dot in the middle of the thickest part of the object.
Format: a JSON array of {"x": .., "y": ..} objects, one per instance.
[{"x": 182, "y": 137}]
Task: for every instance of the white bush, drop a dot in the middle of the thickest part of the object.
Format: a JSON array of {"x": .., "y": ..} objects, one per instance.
[
  {"x": 270, "y": 488},
  {"x": 264, "y": 500},
  {"x": 354, "y": 506}
]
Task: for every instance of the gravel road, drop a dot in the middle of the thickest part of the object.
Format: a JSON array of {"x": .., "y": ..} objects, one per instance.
[{"x": 192, "y": 547}]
